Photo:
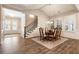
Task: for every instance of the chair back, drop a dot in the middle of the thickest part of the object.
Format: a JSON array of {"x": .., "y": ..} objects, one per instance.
[
  {"x": 41, "y": 33},
  {"x": 57, "y": 32}
]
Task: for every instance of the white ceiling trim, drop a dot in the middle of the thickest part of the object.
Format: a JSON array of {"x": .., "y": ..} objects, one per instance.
[{"x": 49, "y": 11}]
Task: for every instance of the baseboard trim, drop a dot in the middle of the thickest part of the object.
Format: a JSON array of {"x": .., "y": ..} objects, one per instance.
[
  {"x": 61, "y": 36},
  {"x": 69, "y": 38},
  {"x": 32, "y": 37}
]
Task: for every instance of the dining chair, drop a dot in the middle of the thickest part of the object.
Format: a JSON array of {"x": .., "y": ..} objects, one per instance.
[
  {"x": 42, "y": 36},
  {"x": 57, "y": 33}
]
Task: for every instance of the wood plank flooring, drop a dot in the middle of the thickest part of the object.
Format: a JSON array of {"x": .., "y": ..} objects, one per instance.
[{"x": 28, "y": 46}]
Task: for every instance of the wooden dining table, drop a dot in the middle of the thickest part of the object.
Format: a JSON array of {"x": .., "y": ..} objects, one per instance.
[{"x": 49, "y": 35}]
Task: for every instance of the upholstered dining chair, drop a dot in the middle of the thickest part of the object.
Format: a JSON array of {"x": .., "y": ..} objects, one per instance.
[
  {"x": 42, "y": 36},
  {"x": 57, "y": 33}
]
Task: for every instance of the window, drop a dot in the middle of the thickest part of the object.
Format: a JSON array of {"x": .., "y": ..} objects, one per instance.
[
  {"x": 70, "y": 23},
  {"x": 58, "y": 22},
  {"x": 11, "y": 23},
  {"x": 67, "y": 23},
  {"x": 14, "y": 24},
  {"x": 6, "y": 24}
]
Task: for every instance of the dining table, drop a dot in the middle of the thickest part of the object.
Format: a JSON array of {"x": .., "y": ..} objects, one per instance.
[{"x": 49, "y": 35}]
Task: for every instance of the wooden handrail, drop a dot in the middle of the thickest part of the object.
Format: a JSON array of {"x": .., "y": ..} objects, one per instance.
[{"x": 30, "y": 26}]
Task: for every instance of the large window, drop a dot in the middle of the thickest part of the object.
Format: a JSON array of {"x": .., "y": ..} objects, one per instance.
[
  {"x": 67, "y": 23},
  {"x": 11, "y": 23},
  {"x": 70, "y": 23},
  {"x": 6, "y": 24}
]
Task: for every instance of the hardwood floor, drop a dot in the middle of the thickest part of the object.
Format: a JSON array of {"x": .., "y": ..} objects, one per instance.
[{"x": 18, "y": 45}]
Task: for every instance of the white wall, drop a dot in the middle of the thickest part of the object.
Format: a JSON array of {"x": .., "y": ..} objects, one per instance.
[
  {"x": 22, "y": 24},
  {"x": 30, "y": 19},
  {"x": 41, "y": 17}
]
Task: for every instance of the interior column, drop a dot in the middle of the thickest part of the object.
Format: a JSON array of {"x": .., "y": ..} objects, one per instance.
[{"x": 0, "y": 21}]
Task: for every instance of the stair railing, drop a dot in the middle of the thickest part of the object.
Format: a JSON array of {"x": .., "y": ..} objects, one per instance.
[{"x": 30, "y": 27}]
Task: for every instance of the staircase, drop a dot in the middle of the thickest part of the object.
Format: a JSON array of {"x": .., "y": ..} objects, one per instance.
[{"x": 30, "y": 28}]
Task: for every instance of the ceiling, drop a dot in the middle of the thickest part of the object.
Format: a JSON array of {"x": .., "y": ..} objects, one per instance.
[{"x": 49, "y": 10}]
